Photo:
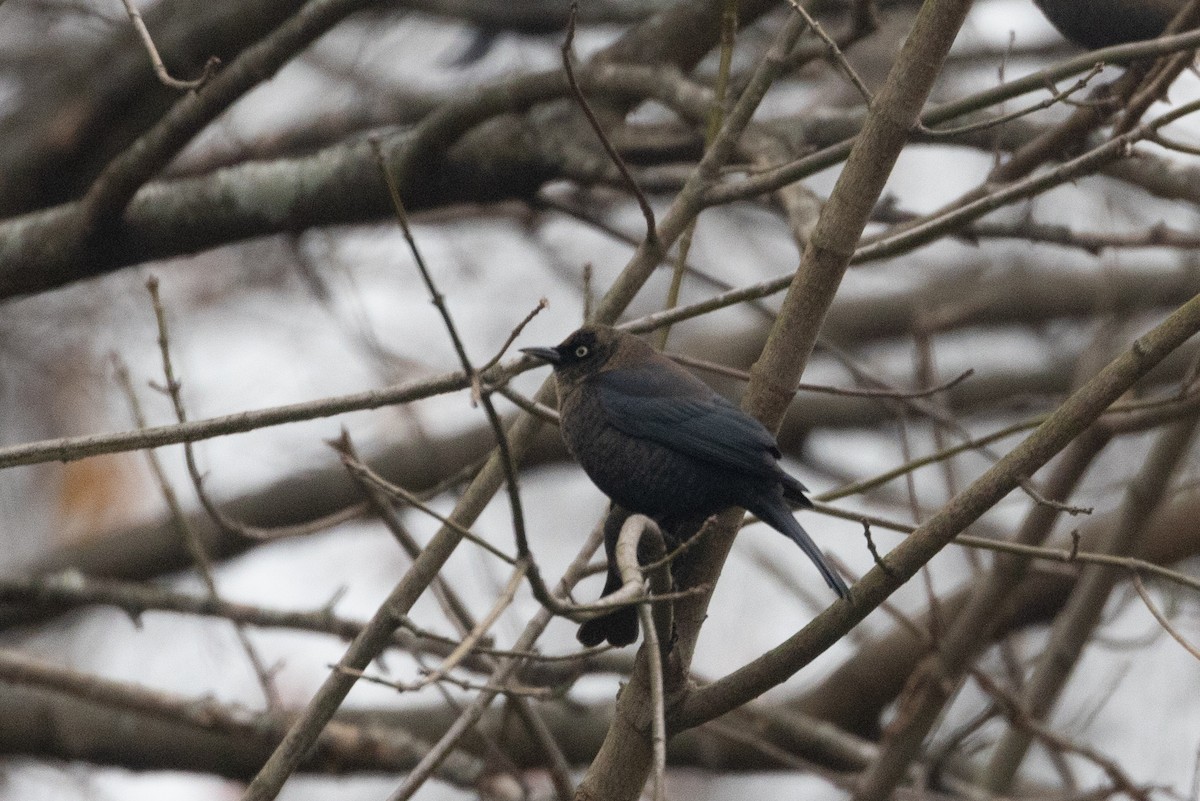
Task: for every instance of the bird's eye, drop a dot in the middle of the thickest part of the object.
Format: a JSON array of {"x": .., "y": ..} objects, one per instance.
[{"x": 581, "y": 351}]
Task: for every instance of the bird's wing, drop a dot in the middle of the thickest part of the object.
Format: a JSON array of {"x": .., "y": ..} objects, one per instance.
[{"x": 682, "y": 413}]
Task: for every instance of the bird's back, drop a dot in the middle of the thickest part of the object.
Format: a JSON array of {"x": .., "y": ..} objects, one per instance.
[
  {"x": 641, "y": 474},
  {"x": 1102, "y": 23}
]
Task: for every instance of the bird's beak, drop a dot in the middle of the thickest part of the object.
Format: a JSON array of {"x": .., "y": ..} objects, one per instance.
[{"x": 545, "y": 354}]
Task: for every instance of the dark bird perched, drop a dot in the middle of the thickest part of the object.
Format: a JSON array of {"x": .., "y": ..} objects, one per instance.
[
  {"x": 1102, "y": 23},
  {"x": 658, "y": 441}
]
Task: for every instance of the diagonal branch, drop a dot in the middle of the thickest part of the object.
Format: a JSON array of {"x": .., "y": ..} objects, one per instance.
[
  {"x": 1074, "y": 626},
  {"x": 1067, "y": 422},
  {"x": 128, "y": 172}
]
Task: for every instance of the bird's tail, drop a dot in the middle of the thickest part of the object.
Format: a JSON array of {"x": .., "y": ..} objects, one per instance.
[
  {"x": 793, "y": 491},
  {"x": 779, "y": 517}
]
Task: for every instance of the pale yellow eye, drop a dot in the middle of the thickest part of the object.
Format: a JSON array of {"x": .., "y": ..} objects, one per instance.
[{"x": 581, "y": 351}]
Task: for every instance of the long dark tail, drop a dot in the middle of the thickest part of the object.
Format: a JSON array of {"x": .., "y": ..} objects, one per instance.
[{"x": 775, "y": 514}]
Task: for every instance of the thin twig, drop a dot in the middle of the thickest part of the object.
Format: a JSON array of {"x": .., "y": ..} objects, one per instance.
[
  {"x": 545, "y": 201},
  {"x": 864, "y": 21},
  {"x": 362, "y": 471},
  {"x": 381, "y": 503},
  {"x": 1094, "y": 243},
  {"x": 507, "y": 462},
  {"x": 512, "y": 337},
  {"x": 1118, "y": 418},
  {"x": 194, "y": 544},
  {"x": 160, "y": 69},
  {"x": 476, "y": 634},
  {"x": 588, "y": 300},
  {"x": 1042, "y": 500},
  {"x": 72, "y": 590},
  {"x": 499, "y": 678},
  {"x": 744, "y": 375},
  {"x": 729, "y": 24},
  {"x": 68, "y": 449},
  {"x": 538, "y": 693},
  {"x": 874, "y": 551},
  {"x": 1174, "y": 144},
  {"x": 222, "y": 520},
  {"x": 1161, "y": 618},
  {"x": 529, "y": 404},
  {"x": 1056, "y": 96},
  {"x": 1023, "y": 718},
  {"x": 643, "y": 202},
  {"x": 533, "y": 656},
  {"x": 468, "y": 644},
  {"x": 1064, "y": 555},
  {"x": 835, "y": 52}
]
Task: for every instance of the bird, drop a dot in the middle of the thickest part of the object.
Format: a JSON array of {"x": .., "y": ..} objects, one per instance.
[
  {"x": 1103, "y": 23},
  {"x": 660, "y": 442}
]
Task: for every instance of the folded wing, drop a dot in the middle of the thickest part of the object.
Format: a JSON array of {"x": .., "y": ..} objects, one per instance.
[{"x": 688, "y": 417}]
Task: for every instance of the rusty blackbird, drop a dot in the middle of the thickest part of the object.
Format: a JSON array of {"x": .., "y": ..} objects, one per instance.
[
  {"x": 660, "y": 442},
  {"x": 1102, "y": 23}
]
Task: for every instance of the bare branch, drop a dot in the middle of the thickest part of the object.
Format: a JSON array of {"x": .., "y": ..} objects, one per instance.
[
  {"x": 194, "y": 545},
  {"x": 1161, "y": 618},
  {"x": 643, "y": 202},
  {"x": 156, "y": 60},
  {"x": 1067, "y": 422},
  {"x": 1075, "y": 624}
]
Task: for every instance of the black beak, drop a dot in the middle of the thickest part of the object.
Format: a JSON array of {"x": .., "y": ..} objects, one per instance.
[{"x": 545, "y": 354}]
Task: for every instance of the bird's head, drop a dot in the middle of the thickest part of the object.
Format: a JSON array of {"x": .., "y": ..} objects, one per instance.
[{"x": 583, "y": 353}]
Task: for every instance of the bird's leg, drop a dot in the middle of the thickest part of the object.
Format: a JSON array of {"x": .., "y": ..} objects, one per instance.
[{"x": 684, "y": 533}]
